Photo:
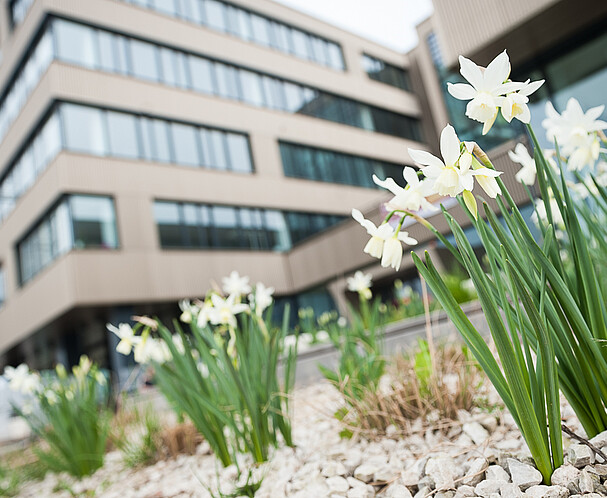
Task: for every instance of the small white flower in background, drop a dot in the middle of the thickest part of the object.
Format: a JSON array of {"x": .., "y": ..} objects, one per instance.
[
  {"x": 69, "y": 394},
  {"x": 289, "y": 341},
  {"x": 51, "y": 397},
  {"x": 468, "y": 285},
  {"x": 21, "y": 379},
  {"x": 262, "y": 298},
  {"x": 454, "y": 175},
  {"x": 410, "y": 198},
  {"x": 100, "y": 379},
  {"x": 601, "y": 173},
  {"x": 575, "y": 131},
  {"x": 224, "y": 311},
  {"x": 361, "y": 283},
  {"x": 521, "y": 156},
  {"x": 379, "y": 235},
  {"x": 203, "y": 311},
  {"x": 322, "y": 336},
  {"x": 540, "y": 210},
  {"x": 178, "y": 343},
  {"x": 128, "y": 339},
  {"x": 203, "y": 369},
  {"x": 188, "y": 310},
  {"x": 151, "y": 349},
  {"x": 342, "y": 322},
  {"x": 236, "y": 285}
]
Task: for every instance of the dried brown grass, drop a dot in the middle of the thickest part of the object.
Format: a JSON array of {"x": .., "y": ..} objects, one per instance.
[{"x": 411, "y": 400}]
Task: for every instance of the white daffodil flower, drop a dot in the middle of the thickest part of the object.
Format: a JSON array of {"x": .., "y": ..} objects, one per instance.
[
  {"x": 528, "y": 171},
  {"x": 127, "y": 337},
  {"x": 224, "y": 311},
  {"x": 410, "y": 198},
  {"x": 485, "y": 88},
  {"x": 514, "y": 104},
  {"x": 361, "y": 283},
  {"x": 51, "y": 397},
  {"x": 203, "y": 315},
  {"x": 575, "y": 131},
  {"x": 178, "y": 343},
  {"x": 236, "y": 285},
  {"x": 379, "y": 235},
  {"x": 262, "y": 298},
  {"x": 187, "y": 311},
  {"x": 487, "y": 180},
  {"x": 393, "y": 251},
  {"x": 152, "y": 349},
  {"x": 21, "y": 379}
]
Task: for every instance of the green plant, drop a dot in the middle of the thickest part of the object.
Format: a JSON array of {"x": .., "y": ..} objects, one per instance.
[
  {"x": 546, "y": 317},
  {"x": 360, "y": 345},
  {"x": 140, "y": 441},
  {"x": 70, "y": 415},
  {"x": 224, "y": 375}
]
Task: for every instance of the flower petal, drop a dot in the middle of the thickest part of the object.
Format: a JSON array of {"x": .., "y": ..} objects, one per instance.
[
  {"x": 497, "y": 71},
  {"x": 461, "y": 91},
  {"x": 425, "y": 158},
  {"x": 471, "y": 72},
  {"x": 410, "y": 176},
  {"x": 449, "y": 145},
  {"x": 388, "y": 184}
]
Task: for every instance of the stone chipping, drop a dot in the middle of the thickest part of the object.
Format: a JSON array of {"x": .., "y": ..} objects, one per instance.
[{"x": 481, "y": 456}]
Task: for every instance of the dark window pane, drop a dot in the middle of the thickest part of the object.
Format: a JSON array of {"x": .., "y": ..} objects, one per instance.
[
  {"x": 226, "y": 231},
  {"x": 93, "y": 222},
  {"x": 168, "y": 219}
]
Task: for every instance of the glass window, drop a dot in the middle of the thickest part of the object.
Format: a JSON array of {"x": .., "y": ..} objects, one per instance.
[
  {"x": 165, "y": 6},
  {"x": 217, "y": 144},
  {"x": 93, "y": 222},
  {"x": 227, "y": 83},
  {"x": 194, "y": 234},
  {"x": 145, "y": 125},
  {"x": 301, "y": 44},
  {"x": 251, "y": 88},
  {"x": 120, "y": 51},
  {"x": 261, "y": 28},
  {"x": 192, "y": 10},
  {"x": 245, "y": 29},
  {"x": 168, "y": 218},
  {"x": 185, "y": 144},
  {"x": 252, "y": 234},
  {"x": 62, "y": 228},
  {"x": 215, "y": 14},
  {"x": 284, "y": 38},
  {"x": 240, "y": 156},
  {"x": 83, "y": 128},
  {"x": 294, "y": 96},
  {"x": 160, "y": 140},
  {"x": 122, "y": 132},
  {"x": 336, "y": 58},
  {"x": 206, "y": 147},
  {"x": 226, "y": 232},
  {"x": 144, "y": 63},
  {"x": 201, "y": 71},
  {"x": 106, "y": 51},
  {"x": 318, "y": 48},
  {"x": 273, "y": 93},
  {"x": 277, "y": 234},
  {"x": 167, "y": 57},
  {"x": 75, "y": 43}
]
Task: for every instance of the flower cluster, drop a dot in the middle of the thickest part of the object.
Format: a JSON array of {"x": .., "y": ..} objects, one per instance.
[
  {"x": 216, "y": 310},
  {"x": 576, "y": 132},
  {"x": 490, "y": 90},
  {"x": 361, "y": 283}
]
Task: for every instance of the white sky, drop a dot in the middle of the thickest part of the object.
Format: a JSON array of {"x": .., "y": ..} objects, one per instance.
[{"x": 389, "y": 22}]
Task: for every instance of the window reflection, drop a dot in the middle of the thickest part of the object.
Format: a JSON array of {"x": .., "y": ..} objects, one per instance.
[
  {"x": 312, "y": 163},
  {"x": 77, "y": 221},
  {"x": 185, "y": 225},
  {"x": 387, "y": 73},
  {"x": 253, "y": 27}
]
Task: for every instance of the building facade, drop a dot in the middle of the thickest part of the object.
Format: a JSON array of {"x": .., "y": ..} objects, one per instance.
[{"x": 151, "y": 147}]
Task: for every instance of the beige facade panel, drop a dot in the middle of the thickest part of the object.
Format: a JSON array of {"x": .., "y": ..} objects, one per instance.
[{"x": 465, "y": 25}]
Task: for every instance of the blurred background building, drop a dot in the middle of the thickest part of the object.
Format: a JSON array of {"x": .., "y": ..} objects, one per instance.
[{"x": 150, "y": 147}]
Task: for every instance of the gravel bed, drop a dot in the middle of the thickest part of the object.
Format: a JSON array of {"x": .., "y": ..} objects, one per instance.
[{"x": 482, "y": 455}]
